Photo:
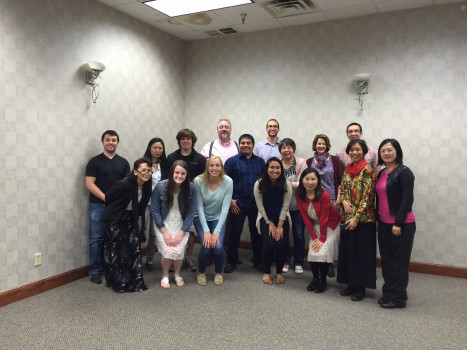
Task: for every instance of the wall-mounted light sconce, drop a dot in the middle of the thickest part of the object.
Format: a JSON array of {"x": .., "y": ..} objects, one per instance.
[
  {"x": 243, "y": 17},
  {"x": 93, "y": 71},
  {"x": 362, "y": 87}
]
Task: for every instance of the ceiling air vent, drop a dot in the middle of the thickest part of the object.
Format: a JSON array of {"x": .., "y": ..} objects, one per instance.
[
  {"x": 223, "y": 31},
  {"x": 286, "y": 8}
]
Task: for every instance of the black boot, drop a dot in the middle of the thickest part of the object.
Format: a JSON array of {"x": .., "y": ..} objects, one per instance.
[
  {"x": 315, "y": 270},
  {"x": 331, "y": 272},
  {"x": 321, "y": 285}
]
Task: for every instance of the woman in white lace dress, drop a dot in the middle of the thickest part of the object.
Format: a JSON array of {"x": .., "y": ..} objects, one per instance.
[{"x": 173, "y": 206}]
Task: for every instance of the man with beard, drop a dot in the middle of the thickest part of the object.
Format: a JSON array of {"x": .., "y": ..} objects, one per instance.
[
  {"x": 223, "y": 147},
  {"x": 269, "y": 147}
]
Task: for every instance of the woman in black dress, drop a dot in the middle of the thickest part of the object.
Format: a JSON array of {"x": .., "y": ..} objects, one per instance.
[{"x": 125, "y": 202}]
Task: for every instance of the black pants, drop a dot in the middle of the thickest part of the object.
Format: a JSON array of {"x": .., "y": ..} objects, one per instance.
[
  {"x": 357, "y": 257},
  {"x": 395, "y": 258},
  {"x": 270, "y": 245},
  {"x": 237, "y": 221}
]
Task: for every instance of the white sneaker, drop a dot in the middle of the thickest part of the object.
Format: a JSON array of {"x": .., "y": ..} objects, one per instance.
[
  {"x": 285, "y": 268},
  {"x": 298, "y": 269}
]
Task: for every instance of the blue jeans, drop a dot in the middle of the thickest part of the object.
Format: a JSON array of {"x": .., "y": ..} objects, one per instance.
[
  {"x": 298, "y": 230},
  {"x": 96, "y": 237},
  {"x": 204, "y": 252}
]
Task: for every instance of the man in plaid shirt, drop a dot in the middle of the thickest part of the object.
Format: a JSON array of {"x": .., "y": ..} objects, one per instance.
[{"x": 244, "y": 169}]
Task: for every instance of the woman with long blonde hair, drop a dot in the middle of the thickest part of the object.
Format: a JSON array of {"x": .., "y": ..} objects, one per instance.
[{"x": 213, "y": 195}]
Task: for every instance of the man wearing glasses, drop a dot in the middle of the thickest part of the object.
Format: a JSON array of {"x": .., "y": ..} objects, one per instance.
[
  {"x": 354, "y": 131},
  {"x": 270, "y": 147},
  {"x": 102, "y": 172}
]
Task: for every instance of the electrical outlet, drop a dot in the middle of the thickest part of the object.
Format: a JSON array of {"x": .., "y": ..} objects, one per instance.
[{"x": 37, "y": 259}]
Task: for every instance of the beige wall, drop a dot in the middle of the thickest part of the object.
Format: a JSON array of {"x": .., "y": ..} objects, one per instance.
[
  {"x": 303, "y": 77},
  {"x": 49, "y": 128}
]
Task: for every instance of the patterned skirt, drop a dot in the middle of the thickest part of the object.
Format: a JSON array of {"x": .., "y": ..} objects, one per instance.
[
  {"x": 173, "y": 223},
  {"x": 329, "y": 250},
  {"x": 122, "y": 254}
]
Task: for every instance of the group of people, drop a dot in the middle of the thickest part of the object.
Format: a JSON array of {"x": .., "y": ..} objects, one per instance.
[{"x": 342, "y": 200}]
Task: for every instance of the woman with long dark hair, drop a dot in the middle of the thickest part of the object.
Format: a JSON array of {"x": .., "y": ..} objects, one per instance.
[
  {"x": 357, "y": 246},
  {"x": 273, "y": 194},
  {"x": 173, "y": 207},
  {"x": 396, "y": 223},
  {"x": 322, "y": 221},
  {"x": 213, "y": 194},
  {"x": 155, "y": 151},
  {"x": 125, "y": 202}
]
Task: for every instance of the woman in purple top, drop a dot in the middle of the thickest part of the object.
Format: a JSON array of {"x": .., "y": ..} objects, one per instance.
[
  {"x": 330, "y": 170},
  {"x": 396, "y": 223}
]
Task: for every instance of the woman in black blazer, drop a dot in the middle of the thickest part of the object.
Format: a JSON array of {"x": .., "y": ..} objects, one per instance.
[
  {"x": 125, "y": 202},
  {"x": 396, "y": 223}
]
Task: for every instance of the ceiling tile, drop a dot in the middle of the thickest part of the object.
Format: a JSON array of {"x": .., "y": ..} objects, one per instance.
[
  {"x": 397, "y": 5},
  {"x": 303, "y": 19},
  {"x": 354, "y": 11},
  {"x": 217, "y": 21},
  {"x": 259, "y": 18},
  {"x": 254, "y": 12},
  {"x": 440, "y": 2},
  {"x": 257, "y": 26},
  {"x": 335, "y": 4},
  {"x": 114, "y": 3}
]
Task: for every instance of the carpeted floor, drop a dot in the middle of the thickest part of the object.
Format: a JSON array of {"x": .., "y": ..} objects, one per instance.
[{"x": 243, "y": 313}]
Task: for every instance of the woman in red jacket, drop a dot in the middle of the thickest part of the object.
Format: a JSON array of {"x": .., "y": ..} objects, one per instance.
[{"x": 322, "y": 221}]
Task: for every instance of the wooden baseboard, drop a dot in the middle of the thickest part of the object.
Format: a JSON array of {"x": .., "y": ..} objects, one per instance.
[
  {"x": 419, "y": 267},
  {"x": 44, "y": 285},
  {"x": 41, "y": 286}
]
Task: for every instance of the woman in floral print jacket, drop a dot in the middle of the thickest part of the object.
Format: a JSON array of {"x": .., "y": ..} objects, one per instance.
[{"x": 357, "y": 247}]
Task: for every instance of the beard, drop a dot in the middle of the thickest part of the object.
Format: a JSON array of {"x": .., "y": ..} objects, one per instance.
[{"x": 224, "y": 136}]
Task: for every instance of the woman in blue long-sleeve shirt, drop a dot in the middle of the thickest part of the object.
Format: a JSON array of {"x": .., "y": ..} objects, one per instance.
[{"x": 213, "y": 195}]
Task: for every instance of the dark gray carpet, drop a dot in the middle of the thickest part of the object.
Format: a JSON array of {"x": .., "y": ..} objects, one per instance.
[{"x": 243, "y": 313}]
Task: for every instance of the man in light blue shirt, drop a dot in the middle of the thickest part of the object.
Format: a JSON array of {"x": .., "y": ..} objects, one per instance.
[{"x": 269, "y": 147}]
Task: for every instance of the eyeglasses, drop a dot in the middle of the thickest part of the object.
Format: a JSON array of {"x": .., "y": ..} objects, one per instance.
[
  {"x": 353, "y": 132},
  {"x": 145, "y": 171}
]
